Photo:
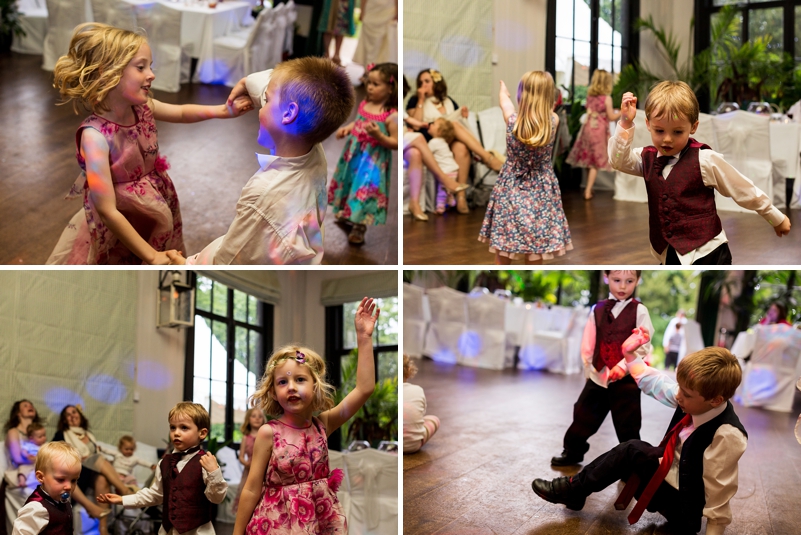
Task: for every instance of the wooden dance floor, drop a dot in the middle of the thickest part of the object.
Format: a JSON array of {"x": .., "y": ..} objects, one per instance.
[
  {"x": 210, "y": 163},
  {"x": 604, "y": 231},
  {"x": 500, "y": 429}
]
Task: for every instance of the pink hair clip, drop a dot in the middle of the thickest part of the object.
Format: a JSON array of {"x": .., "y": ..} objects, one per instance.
[
  {"x": 392, "y": 79},
  {"x": 370, "y": 67},
  {"x": 300, "y": 357}
]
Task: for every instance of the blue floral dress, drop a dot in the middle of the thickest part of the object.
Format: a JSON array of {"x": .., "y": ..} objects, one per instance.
[
  {"x": 358, "y": 192},
  {"x": 524, "y": 215}
]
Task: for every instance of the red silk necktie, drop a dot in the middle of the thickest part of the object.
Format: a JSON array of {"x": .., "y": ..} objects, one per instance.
[{"x": 669, "y": 442}]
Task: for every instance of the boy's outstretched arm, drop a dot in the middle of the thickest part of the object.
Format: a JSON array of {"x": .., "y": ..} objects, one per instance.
[
  {"x": 651, "y": 381},
  {"x": 621, "y": 156}
]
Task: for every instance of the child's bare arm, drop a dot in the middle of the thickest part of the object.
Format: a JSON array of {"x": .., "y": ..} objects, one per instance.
[
  {"x": 114, "y": 499},
  {"x": 193, "y": 113},
  {"x": 505, "y": 100},
  {"x": 390, "y": 140},
  {"x": 365, "y": 371},
  {"x": 345, "y": 130},
  {"x": 414, "y": 123},
  {"x": 251, "y": 492},
  {"x": 95, "y": 151},
  {"x": 176, "y": 258}
]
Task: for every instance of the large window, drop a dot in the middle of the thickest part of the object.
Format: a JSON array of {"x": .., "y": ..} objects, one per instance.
[
  {"x": 777, "y": 20},
  {"x": 226, "y": 352},
  {"x": 584, "y": 35}
]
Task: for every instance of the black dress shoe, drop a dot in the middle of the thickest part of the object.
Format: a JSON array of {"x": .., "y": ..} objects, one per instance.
[
  {"x": 559, "y": 490},
  {"x": 566, "y": 459}
]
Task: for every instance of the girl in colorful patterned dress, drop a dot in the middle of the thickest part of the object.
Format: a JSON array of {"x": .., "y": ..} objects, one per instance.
[
  {"x": 290, "y": 489},
  {"x": 360, "y": 187},
  {"x": 130, "y": 209},
  {"x": 524, "y": 215},
  {"x": 590, "y": 147}
]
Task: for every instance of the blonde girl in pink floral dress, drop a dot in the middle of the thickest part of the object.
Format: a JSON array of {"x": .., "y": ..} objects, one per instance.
[
  {"x": 589, "y": 150},
  {"x": 290, "y": 489},
  {"x": 130, "y": 209},
  {"x": 254, "y": 419}
]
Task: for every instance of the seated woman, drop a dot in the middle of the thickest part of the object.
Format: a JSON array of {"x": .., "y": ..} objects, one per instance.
[
  {"x": 431, "y": 103},
  {"x": 777, "y": 313}
]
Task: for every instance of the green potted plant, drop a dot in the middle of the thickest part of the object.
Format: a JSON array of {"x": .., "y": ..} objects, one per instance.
[{"x": 9, "y": 24}]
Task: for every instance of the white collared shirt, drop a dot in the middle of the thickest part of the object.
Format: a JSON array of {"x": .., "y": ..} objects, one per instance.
[
  {"x": 715, "y": 172},
  {"x": 216, "y": 489},
  {"x": 601, "y": 378},
  {"x": 721, "y": 458},
  {"x": 31, "y": 519},
  {"x": 279, "y": 215}
]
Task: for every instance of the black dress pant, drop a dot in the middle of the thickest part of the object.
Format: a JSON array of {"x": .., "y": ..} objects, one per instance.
[
  {"x": 671, "y": 359},
  {"x": 621, "y": 398},
  {"x": 721, "y": 256}
]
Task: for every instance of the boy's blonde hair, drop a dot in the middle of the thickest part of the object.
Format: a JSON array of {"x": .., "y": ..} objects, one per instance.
[
  {"x": 264, "y": 396},
  {"x": 446, "y": 130},
  {"x": 32, "y": 428},
  {"x": 672, "y": 99},
  {"x": 601, "y": 83},
  {"x": 533, "y": 124},
  {"x": 93, "y": 66},
  {"x": 711, "y": 372},
  {"x": 321, "y": 89},
  {"x": 194, "y": 411},
  {"x": 409, "y": 368},
  {"x": 246, "y": 429},
  {"x": 56, "y": 450},
  {"x": 126, "y": 439}
]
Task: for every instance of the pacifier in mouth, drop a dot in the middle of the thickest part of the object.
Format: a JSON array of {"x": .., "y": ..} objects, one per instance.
[{"x": 65, "y": 496}]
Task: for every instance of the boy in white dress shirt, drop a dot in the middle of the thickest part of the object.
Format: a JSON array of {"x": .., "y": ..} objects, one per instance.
[
  {"x": 693, "y": 472},
  {"x": 187, "y": 481},
  {"x": 279, "y": 215},
  {"x": 681, "y": 176}
]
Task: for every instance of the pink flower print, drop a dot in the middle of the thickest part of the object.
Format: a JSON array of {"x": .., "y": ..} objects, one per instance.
[
  {"x": 302, "y": 470},
  {"x": 302, "y": 509},
  {"x": 320, "y": 471},
  {"x": 335, "y": 479},
  {"x": 108, "y": 129},
  {"x": 382, "y": 200},
  {"x": 346, "y": 212},
  {"x": 136, "y": 187},
  {"x": 272, "y": 494},
  {"x": 324, "y": 509},
  {"x": 161, "y": 164},
  {"x": 332, "y": 191},
  {"x": 136, "y": 173},
  {"x": 362, "y": 193}
]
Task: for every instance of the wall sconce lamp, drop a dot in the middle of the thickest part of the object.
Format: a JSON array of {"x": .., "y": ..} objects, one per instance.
[{"x": 176, "y": 301}]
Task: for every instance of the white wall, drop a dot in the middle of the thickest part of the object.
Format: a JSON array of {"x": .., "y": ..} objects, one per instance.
[{"x": 674, "y": 17}]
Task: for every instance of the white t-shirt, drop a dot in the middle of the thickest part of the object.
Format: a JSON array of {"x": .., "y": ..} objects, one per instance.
[
  {"x": 443, "y": 155},
  {"x": 414, "y": 408}
]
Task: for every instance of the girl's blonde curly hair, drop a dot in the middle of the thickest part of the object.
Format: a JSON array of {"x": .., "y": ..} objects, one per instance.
[
  {"x": 264, "y": 396},
  {"x": 93, "y": 66}
]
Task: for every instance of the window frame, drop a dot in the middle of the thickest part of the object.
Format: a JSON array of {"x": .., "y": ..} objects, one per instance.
[{"x": 267, "y": 313}]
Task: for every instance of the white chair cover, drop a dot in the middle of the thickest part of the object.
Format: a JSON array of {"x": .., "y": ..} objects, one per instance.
[
  {"x": 483, "y": 345},
  {"x": 291, "y": 17},
  {"x": 170, "y": 62},
  {"x": 63, "y": 17},
  {"x": 116, "y": 13},
  {"x": 493, "y": 137},
  {"x": 630, "y": 187},
  {"x": 693, "y": 340},
  {"x": 241, "y": 53},
  {"x": 769, "y": 377},
  {"x": 552, "y": 340},
  {"x": 448, "y": 324},
  {"x": 414, "y": 320},
  {"x": 744, "y": 140},
  {"x": 371, "y": 483},
  {"x": 33, "y": 21},
  {"x": 278, "y": 35}
]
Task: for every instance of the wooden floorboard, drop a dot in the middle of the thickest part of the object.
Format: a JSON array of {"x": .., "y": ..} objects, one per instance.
[
  {"x": 604, "y": 231},
  {"x": 500, "y": 429},
  {"x": 210, "y": 163}
]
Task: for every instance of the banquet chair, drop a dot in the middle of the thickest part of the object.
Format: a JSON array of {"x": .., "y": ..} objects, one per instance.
[
  {"x": 414, "y": 320},
  {"x": 62, "y": 18},
  {"x": 769, "y": 376},
  {"x": 706, "y": 131},
  {"x": 546, "y": 343},
  {"x": 371, "y": 482},
  {"x": 630, "y": 187},
  {"x": 114, "y": 13},
  {"x": 448, "y": 324},
  {"x": 279, "y": 36},
  {"x": 744, "y": 140},
  {"x": 241, "y": 53},
  {"x": 483, "y": 344},
  {"x": 291, "y": 17},
  {"x": 489, "y": 129},
  {"x": 33, "y": 22},
  {"x": 171, "y": 63},
  {"x": 693, "y": 339}
]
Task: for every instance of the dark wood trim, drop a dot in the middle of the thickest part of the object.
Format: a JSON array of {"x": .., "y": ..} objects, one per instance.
[
  {"x": 333, "y": 342},
  {"x": 550, "y": 38}
]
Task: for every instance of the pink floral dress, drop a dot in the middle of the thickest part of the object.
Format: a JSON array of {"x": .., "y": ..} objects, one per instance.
[
  {"x": 247, "y": 443},
  {"x": 299, "y": 490},
  {"x": 360, "y": 187},
  {"x": 590, "y": 147},
  {"x": 144, "y": 194}
]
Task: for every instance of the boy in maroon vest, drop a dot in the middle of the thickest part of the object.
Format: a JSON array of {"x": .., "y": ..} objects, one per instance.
[
  {"x": 609, "y": 388},
  {"x": 187, "y": 481},
  {"x": 693, "y": 472},
  {"x": 681, "y": 176},
  {"x": 48, "y": 509}
]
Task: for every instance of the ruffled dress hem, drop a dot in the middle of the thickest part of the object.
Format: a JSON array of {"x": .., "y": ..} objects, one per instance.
[{"x": 528, "y": 256}]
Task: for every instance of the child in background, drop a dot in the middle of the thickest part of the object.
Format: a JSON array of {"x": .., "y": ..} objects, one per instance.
[
  {"x": 589, "y": 150},
  {"x": 442, "y": 135},
  {"x": 418, "y": 427},
  {"x": 359, "y": 191},
  {"x": 130, "y": 213},
  {"x": 609, "y": 387},
  {"x": 125, "y": 462},
  {"x": 48, "y": 508},
  {"x": 524, "y": 216},
  {"x": 693, "y": 473},
  {"x": 290, "y": 488},
  {"x": 279, "y": 215},
  {"x": 187, "y": 481},
  {"x": 37, "y": 436},
  {"x": 254, "y": 419},
  {"x": 681, "y": 176}
]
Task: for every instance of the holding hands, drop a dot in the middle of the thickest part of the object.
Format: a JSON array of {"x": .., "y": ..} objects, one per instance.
[
  {"x": 365, "y": 320},
  {"x": 615, "y": 374},
  {"x": 782, "y": 228},
  {"x": 628, "y": 110},
  {"x": 175, "y": 258}
]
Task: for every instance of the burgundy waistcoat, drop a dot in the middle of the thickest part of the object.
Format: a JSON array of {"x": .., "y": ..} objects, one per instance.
[
  {"x": 59, "y": 514},
  {"x": 610, "y": 335},
  {"x": 185, "y": 503},
  {"x": 681, "y": 209}
]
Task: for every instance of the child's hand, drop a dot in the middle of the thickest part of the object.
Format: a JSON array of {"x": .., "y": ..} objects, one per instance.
[
  {"x": 240, "y": 106},
  {"x": 783, "y": 228},
  {"x": 115, "y": 499},
  {"x": 209, "y": 462},
  {"x": 344, "y": 131},
  {"x": 239, "y": 90},
  {"x": 465, "y": 111},
  {"x": 372, "y": 129},
  {"x": 505, "y": 91},
  {"x": 365, "y": 321},
  {"x": 639, "y": 337},
  {"x": 161, "y": 258},
  {"x": 628, "y": 108},
  {"x": 176, "y": 258},
  {"x": 615, "y": 374}
]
